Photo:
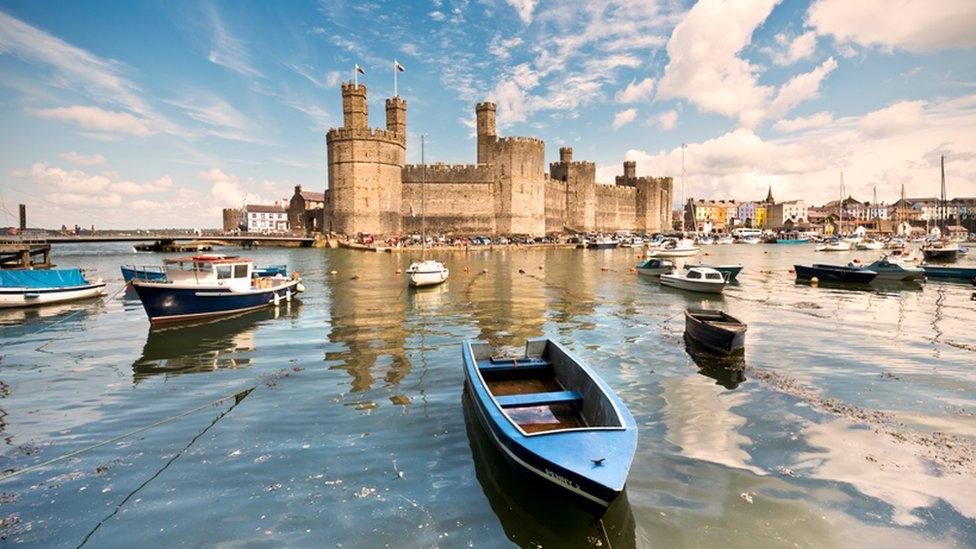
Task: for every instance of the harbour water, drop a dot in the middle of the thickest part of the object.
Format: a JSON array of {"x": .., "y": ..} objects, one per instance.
[{"x": 852, "y": 424}]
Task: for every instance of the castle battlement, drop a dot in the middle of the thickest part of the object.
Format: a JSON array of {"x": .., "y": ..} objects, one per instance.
[
  {"x": 448, "y": 173},
  {"x": 574, "y": 163},
  {"x": 519, "y": 140},
  {"x": 375, "y": 134}
]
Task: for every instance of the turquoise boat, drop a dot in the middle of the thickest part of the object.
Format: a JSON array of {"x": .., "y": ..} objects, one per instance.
[{"x": 959, "y": 273}]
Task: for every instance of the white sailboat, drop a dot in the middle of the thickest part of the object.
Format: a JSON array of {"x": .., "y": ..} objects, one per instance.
[
  {"x": 426, "y": 272},
  {"x": 838, "y": 243}
]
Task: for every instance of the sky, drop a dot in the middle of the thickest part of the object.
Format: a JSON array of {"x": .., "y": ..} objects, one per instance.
[{"x": 148, "y": 114}]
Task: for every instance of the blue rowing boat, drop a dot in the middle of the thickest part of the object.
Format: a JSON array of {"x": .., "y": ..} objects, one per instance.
[
  {"x": 961, "y": 273},
  {"x": 553, "y": 417},
  {"x": 142, "y": 272}
]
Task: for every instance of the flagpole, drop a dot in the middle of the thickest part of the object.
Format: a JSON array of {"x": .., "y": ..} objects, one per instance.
[
  {"x": 395, "y": 78},
  {"x": 355, "y": 75}
]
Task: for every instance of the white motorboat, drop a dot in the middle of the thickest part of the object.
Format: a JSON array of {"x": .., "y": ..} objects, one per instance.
[
  {"x": 696, "y": 279},
  {"x": 750, "y": 240},
  {"x": 706, "y": 241},
  {"x": 902, "y": 255},
  {"x": 675, "y": 248},
  {"x": 426, "y": 272},
  {"x": 26, "y": 288},
  {"x": 870, "y": 244},
  {"x": 836, "y": 245},
  {"x": 725, "y": 239}
]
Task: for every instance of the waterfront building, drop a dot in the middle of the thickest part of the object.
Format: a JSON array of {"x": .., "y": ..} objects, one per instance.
[
  {"x": 753, "y": 214},
  {"x": 721, "y": 214},
  {"x": 306, "y": 211},
  {"x": 928, "y": 208},
  {"x": 794, "y": 211},
  {"x": 259, "y": 218},
  {"x": 373, "y": 190}
]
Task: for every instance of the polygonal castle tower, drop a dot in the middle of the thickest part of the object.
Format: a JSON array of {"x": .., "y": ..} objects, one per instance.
[{"x": 365, "y": 167}]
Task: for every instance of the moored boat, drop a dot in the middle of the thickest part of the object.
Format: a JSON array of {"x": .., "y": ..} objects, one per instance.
[
  {"x": 427, "y": 272},
  {"x": 959, "y": 273},
  {"x": 27, "y": 288},
  {"x": 730, "y": 272},
  {"x": 752, "y": 239},
  {"x": 870, "y": 244},
  {"x": 725, "y": 239},
  {"x": 675, "y": 248},
  {"x": 553, "y": 417},
  {"x": 939, "y": 250},
  {"x": 142, "y": 272},
  {"x": 655, "y": 266},
  {"x": 601, "y": 243},
  {"x": 835, "y": 245},
  {"x": 716, "y": 330},
  {"x": 834, "y": 273},
  {"x": 205, "y": 286},
  {"x": 892, "y": 270},
  {"x": 696, "y": 279}
]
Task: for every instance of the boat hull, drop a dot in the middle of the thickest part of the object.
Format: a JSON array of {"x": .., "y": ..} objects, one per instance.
[
  {"x": 131, "y": 272},
  {"x": 165, "y": 303},
  {"x": 676, "y": 253},
  {"x": 715, "y": 338},
  {"x": 729, "y": 271},
  {"x": 823, "y": 274},
  {"x": 546, "y": 455},
  {"x": 29, "y": 297},
  {"x": 601, "y": 245},
  {"x": 960, "y": 273},
  {"x": 940, "y": 255},
  {"x": 792, "y": 240},
  {"x": 700, "y": 286},
  {"x": 428, "y": 278}
]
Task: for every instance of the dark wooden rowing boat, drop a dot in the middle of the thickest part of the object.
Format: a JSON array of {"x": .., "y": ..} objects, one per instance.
[
  {"x": 716, "y": 330},
  {"x": 553, "y": 417}
]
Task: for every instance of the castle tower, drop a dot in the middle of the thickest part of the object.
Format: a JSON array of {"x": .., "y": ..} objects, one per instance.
[
  {"x": 630, "y": 169},
  {"x": 579, "y": 180},
  {"x": 487, "y": 135},
  {"x": 354, "y": 112},
  {"x": 396, "y": 116},
  {"x": 365, "y": 165}
]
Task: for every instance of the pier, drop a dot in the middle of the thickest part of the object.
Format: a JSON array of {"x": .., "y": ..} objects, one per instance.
[
  {"x": 243, "y": 240},
  {"x": 25, "y": 255}
]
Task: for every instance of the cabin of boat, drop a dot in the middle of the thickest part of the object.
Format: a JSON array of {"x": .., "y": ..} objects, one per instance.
[{"x": 210, "y": 270}]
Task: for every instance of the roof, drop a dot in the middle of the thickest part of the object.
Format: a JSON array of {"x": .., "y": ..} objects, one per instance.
[
  {"x": 215, "y": 258},
  {"x": 313, "y": 196},
  {"x": 262, "y": 208}
]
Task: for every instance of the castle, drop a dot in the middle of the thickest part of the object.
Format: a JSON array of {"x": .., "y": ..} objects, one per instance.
[{"x": 372, "y": 189}]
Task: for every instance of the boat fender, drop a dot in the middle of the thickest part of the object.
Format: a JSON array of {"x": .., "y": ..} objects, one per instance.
[
  {"x": 288, "y": 296},
  {"x": 814, "y": 281},
  {"x": 299, "y": 288},
  {"x": 277, "y": 299},
  {"x": 333, "y": 272}
]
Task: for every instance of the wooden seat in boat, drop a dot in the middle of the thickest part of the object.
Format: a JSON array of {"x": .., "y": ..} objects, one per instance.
[{"x": 539, "y": 399}]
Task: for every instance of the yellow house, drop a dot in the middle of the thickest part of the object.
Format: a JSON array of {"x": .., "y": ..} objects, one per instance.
[{"x": 760, "y": 222}]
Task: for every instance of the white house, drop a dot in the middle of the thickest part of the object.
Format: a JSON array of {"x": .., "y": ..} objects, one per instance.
[{"x": 260, "y": 218}]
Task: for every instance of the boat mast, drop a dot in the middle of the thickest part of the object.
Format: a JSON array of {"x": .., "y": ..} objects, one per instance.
[
  {"x": 423, "y": 200},
  {"x": 840, "y": 207},
  {"x": 942, "y": 201},
  {"x": 683, "y": 205}
]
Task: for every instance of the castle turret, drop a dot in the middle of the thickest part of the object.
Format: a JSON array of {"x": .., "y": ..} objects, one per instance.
[
  {"x": 565, "y": 154},
  {"x": 396, "y": 116},
  {"x": 487, "y": 135},
  {"x": 579, "y": 186},
  {"x": 354, "y": 113},
  {"x": 630, "y": 169}
]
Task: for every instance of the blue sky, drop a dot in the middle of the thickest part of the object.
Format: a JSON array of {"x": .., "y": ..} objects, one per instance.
[{"x": 152, "y": 114}]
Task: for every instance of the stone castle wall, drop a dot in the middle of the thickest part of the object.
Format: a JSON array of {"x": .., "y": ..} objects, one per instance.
[
  {"x": 459, "y": 199},
  {"x": 555, "y": 206},
  {"x": 518, "y": 166},
  {"x": 616, "y": 208}
]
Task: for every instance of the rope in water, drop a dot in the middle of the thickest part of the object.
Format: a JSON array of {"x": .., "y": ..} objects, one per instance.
[{"x": 238, "y": 396}]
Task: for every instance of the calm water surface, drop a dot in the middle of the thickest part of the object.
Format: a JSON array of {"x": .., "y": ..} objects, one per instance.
[{"x": 357, "y": 432}]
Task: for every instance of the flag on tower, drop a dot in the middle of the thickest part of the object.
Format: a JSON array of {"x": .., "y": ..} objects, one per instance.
[
  {"x": 360, "y": 70},
  {"x": 398, "y": 66}
]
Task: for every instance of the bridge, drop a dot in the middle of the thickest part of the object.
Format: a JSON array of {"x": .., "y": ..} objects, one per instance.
[{"x": 302, "y": 241}]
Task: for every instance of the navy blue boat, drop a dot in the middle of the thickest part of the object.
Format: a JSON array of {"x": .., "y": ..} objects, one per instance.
[
  {"x": 834, "y": 273},
  {"x": 961, "y": 273},
  {"x": 553, "y": 417},
  {"x": 716, "y": 330},
  {"x": 206, "y": 286}
]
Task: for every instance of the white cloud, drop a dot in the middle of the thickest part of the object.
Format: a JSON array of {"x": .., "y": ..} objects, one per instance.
[
  {"x": 897, "y": 118},
  {"x": 911, "y": 25},
  {"x": 793, "y": 50},
  {"x": 437, "y": 16},
  {"x": 218, "y": 116},
  {"x": 228, "y": 191},
  {"x": 817, "y": 120},
  {"x": 800, "y": 88},
  {"x": 668, "y": 120},
  {"x": 128, "y": 188},
  {"x": 227, "y": 50},
  {"x": 502, "y": 48},
  {"x": 623, "y": 118},
  {"x": 97, "y": 119},
  {"x": 704, "y": 65},
  {"x": 741, "y": 164},
  {"x": 524, "y": 8},
  {"x": 636, "y": 92},
  {"x": 82, "y": 160}
]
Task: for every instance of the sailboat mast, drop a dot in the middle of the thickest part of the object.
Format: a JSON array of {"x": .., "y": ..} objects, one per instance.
[
  {"x": 683, "y": 190},
  {"x": 423, "y": 198},
  {"x": 840, "y": 206},
  {"x": 942, "y": 201}
]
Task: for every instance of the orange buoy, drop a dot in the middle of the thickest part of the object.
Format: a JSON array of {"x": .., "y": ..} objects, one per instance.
[
  {"x": 814, "y": 281},
  {"x": 399, "y": 271},
  {"x": 354, "y": 277},
  {"x": 333, "y": 272},
  {"x": 521, "y": 271},
  {"x": 540, "y": 267},
  {"x": 484, "y": 271}
]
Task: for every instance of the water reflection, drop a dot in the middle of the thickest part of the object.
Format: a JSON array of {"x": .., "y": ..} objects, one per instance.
[
  {"x": 727, "y": 370},
  {"x": 205, "y": 346},
  {"x": 535, "y": 514}
]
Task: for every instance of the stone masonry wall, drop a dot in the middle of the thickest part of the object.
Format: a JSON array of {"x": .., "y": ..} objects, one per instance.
[
  {"x": 615, "y": 208},
  {"x": 518, "y": 165},
  {"x": 555, "y": 206},
  {"x": 458, "y": 199}
]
